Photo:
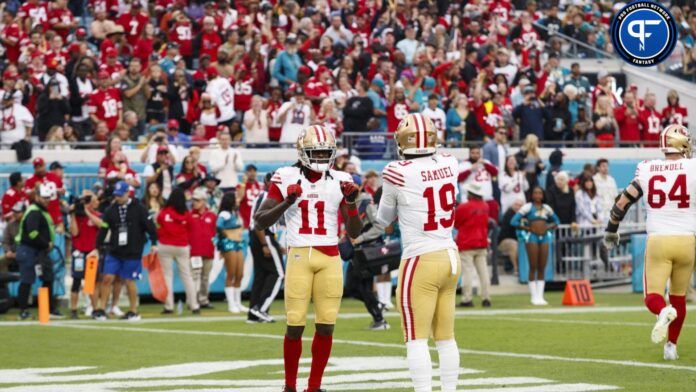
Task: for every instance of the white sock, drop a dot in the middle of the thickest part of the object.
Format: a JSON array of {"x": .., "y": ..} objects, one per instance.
[
  {"x": 229, "y": 293},
  {"x": 238, "y": 297},
  {"x": 448, "y": 356},
  {"x": 384, "y": 292},
  {"x": 419, "y": 365},
  {"x": 532, "y": 289},
  {"x": 540, "y": 288}
]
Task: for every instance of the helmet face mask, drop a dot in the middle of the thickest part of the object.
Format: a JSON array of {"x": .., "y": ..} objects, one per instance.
[
  {"x": 415, "y": 135},
  {"x": 316, "y": 148},
  {"x": 676, "y": 139}
]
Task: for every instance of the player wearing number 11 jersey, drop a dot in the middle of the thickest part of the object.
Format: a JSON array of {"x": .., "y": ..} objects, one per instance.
[
  {"x": 421, "y": 191},
  {"x": 670, "y": 186},
  {"x": 311, "y": 194}
]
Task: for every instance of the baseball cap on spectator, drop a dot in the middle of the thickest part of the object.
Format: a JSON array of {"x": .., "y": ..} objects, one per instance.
[
  {"x": 309, "y": 11},
  {"x": 474, "y": 189},
  {"x": 523, "y": 82},
  {"x": 298, "y": 90},
  {"x": 81, "y": 32},
  {"x": 528, "y": 90},
  {"x": 52, "y": 64},
  {"x": 103, "y": 75},
  {"x": 173, "y": 124},
  {"x": 212, "y": 71},
  {"x": 554, "y": 55},
  {"x": 429, "y": 82},
  {"x": 38, "y": 161},
  {"x": 74, "y": 47},
  {"x": 162, "y": 150},
  {"x": 200, "y": 194},
  {"x": 55, "y": 165},
  {"x": 633, "y": 87},
  {"x": 121, "y": 188},
  {"x": 305, "y": 70},
  {"x": 603, "y": 73},
  {"x": 291, "y": 39},
  {"x": 251, "y": 166},
  {"x": 408, "y": 74},
  {"x": 111, "y": 52},
  {"x": 378, "y": 82}
]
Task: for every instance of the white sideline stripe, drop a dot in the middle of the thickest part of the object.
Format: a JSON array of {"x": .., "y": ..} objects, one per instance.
[
  {"x": 584, "y": 322},
  {"x": 461, "y": 314},
  {"x": 540, "y": 357},
  {"x": 551, "y": 388}
]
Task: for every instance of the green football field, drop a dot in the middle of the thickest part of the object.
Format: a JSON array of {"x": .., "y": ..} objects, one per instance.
[{"x": 511, "y": 347}]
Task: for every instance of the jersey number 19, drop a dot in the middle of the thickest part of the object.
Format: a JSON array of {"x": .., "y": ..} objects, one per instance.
[{"x": 446, "y": 196}]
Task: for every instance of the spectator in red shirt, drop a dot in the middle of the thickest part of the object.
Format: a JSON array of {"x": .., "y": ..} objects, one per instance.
[
  {"x": 15, "y": 194},
  {"x": 674, "y": 113},
  {"x": 471, "y": 222},
  {"x": 243, "y": 84},
  {"x": 250, "y": 190},
  {"x": 85, "y": 222},
  {"x": 61, "y": 18},
  {"x": 627, "y": 117},
  {"x": 650, "y": 120},
  {"x": 11, "y": 34},
  {"x": 181, "y": 32},
  {"x": 105, "y": 103},
  {"x": 208, "y": 39},
  {"x": 202, "y": 249},
  {"x": 42, "y": 176},
  {"x": 133, "y": 22},
  {"x": 173, "y": 232}
]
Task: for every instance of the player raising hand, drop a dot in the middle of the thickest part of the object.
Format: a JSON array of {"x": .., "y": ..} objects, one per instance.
[
  {"x": 421, "y": 191},
  {"x": 670, "y": 185},
  {"x": 310, "y": 194}
]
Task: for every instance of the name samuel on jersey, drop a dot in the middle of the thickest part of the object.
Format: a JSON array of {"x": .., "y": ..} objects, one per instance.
[{"x": 438, "y": 174}]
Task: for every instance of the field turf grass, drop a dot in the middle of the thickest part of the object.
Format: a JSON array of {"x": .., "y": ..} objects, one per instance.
[{"x": 513, "y": 346}]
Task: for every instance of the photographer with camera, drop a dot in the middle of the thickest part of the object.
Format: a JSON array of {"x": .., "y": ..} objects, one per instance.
[{"x": 85, "y": 221}]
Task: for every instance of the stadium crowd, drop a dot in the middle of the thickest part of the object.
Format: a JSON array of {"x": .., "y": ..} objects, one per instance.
[{"x": 260, "y": 71}]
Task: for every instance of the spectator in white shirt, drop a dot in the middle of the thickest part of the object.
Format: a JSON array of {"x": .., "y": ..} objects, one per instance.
[
  {"x": 158, "y": 139},
  {"x": 295, "y": 115},
  {"x": 437, "y": 116},
  {"x": 409, "y": 45},
  {"x": 513, "y": 184},
  {"x": 256, "y": 121},
  {"x": 222, "y": 94},
  {"x": 225, "y": 162},
  {"x": 338, "y": 32},
  {"x": 17, "y": 121},
  {"x": 606, "y": 186}
]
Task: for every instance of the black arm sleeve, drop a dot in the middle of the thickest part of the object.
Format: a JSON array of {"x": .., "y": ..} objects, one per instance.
[{"x": 149, "y": 226}]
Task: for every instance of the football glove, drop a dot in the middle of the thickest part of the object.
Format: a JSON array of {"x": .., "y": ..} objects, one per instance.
[
  {"x": 350, "y": 191},
  {"x": 293, "y": 192},
  {"x": 611, "y": 239}
]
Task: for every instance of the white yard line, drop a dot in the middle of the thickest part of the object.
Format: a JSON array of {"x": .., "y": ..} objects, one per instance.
[
  {"x": 539, "y": 357},
  {"x": 363, "y": 315},
  {"x": 575, "y": 322}
]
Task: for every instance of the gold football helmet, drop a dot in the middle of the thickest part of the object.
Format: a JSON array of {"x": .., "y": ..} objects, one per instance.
[
  {"x": 676, "y": 139},
  {"x": 415, "y": 135},
  {"x": 316, "y": 148}
]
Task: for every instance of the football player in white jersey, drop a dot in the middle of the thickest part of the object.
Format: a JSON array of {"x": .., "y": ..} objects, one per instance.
[
  {"x": 670, "y": 188},
  {"x": 421, "y": 192},
  {"x": 311, "y": 194}
]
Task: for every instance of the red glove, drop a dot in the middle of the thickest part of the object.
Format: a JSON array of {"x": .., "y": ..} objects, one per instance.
[
  {"x": 294, "y": 191},
  {"x": 350, "y": 191}
]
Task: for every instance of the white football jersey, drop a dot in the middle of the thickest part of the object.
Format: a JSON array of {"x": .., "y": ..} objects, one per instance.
[
  {"x": 422, "y": 194},
  {"x": 313, "y": 219},
  {"x": 669, "y": 190},
  {"x": 222, "y": 94},
  {"x": 479, "y": 176}
]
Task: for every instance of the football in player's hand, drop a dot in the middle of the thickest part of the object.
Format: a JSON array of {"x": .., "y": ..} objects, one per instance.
[
  {"x": 350, "y": 191},
  {"x": 294, "y": 191}
]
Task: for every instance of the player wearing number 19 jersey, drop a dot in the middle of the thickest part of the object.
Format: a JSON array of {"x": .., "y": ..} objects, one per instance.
[
  {"x": 311, "y": 194},
  {"x": 421, "y": 191},
  {"x": 670, "y": 187}
]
